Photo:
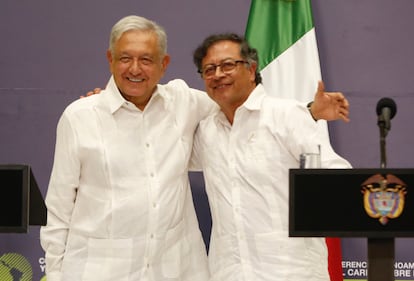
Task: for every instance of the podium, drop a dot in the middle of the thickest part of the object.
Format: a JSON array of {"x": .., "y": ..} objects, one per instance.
[
  {"x": 377, "y": 204},
  {"x": 21, "y": 203}
]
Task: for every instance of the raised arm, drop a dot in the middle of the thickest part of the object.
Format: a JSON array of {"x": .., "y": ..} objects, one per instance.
[{"x": 329, "y": 105}]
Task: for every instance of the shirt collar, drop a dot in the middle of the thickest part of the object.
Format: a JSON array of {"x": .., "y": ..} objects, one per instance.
[
  {"x": 253, "y": 102},
  {"x": 116, "y": 100}
]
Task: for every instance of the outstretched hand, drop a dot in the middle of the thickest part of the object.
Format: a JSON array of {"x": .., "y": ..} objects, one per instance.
[
  {"x": 93, "y": 92},
  {"x": 329, "y": 105}
]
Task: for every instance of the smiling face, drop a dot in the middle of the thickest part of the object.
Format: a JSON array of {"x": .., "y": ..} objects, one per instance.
[
  {"x": 231, "y": 90},
  {"x": 137, "y": 65}
]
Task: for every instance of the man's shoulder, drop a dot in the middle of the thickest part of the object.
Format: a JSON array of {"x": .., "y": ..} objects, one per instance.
[
  {"x": 175, "y": 84},
  {"x": 179, "y": 86},
  {"x": 261, "y": 98},
  {"x": 281, "y": 101},
  {"x": 282, "y": 104},
  {"x": 177, "y": 91},
  {"x": 285, "y": 111},
  {"x": 82, "y": 104}
]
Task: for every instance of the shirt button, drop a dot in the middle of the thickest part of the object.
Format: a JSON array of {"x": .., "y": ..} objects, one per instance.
[{"x": 147, "y": 145}]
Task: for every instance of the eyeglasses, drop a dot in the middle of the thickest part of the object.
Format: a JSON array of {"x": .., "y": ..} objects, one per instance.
[{"x": 227, "y": 67}]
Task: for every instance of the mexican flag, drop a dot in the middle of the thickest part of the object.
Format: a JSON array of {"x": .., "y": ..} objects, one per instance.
[{"x": 284, "y": 34}]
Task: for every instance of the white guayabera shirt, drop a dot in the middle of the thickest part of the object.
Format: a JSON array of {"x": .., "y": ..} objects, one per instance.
[
  {"x": 119, "y": 201},
  {"x": 246, "y": 167}
]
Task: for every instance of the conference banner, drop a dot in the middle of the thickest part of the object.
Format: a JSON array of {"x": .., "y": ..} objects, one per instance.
[{"x": 21, "y": 257}]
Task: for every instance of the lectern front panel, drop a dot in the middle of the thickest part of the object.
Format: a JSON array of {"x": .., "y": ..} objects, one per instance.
[
  {"x": 375, "y": 203},
  {"x": 14, "y": 198}
]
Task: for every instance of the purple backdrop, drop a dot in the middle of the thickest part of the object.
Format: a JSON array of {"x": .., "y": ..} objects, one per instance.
[{"x": 54, "y": 51}]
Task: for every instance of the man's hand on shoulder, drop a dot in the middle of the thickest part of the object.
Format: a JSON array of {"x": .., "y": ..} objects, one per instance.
[{"x": 92, "y": 92}]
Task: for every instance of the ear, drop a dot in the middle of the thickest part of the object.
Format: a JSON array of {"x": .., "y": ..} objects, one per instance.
[
  {"x": 110, "y": 60},
  {"x": 165, "y": 62},
  {"x": 253, "y": 68},
  {"x": 109, "y": 56}
]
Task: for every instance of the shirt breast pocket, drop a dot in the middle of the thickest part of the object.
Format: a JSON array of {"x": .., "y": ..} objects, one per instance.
[{"x": 260, "y": 151}]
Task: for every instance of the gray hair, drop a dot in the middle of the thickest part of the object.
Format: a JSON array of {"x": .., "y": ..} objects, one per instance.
[{"x": 133, "y": 22}]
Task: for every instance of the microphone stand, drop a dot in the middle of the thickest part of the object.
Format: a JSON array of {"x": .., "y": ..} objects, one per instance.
[
  {"x": 381, "y": 251},
  {"x": 383, "y": 135}
]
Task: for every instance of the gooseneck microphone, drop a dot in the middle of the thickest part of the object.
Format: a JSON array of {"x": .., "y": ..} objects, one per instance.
[{"x": 386, "y": 110}]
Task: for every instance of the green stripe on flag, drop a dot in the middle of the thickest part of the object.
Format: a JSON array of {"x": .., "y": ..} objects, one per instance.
[{"x": 274, "y": 25}]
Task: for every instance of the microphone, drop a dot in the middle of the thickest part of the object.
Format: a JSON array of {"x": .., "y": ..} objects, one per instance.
[{"x": 386, "y": 109}]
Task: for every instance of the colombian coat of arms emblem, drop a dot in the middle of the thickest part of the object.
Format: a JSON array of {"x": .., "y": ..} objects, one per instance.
[{"x": 384, "y": 197}]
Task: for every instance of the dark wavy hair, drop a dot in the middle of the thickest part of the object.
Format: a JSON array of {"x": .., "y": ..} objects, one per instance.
[{"x": 248, "y": 53}]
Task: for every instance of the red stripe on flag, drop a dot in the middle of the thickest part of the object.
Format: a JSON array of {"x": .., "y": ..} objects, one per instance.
[{"x": 334, "y": 258}]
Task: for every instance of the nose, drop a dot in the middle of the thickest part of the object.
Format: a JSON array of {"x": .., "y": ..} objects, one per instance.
[
  {"x": 218, "y": 72},
  {"x": 134, "y": 67}
]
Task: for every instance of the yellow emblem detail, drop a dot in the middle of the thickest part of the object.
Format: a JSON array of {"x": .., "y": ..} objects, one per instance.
[{"x": 384, "y": 197}]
